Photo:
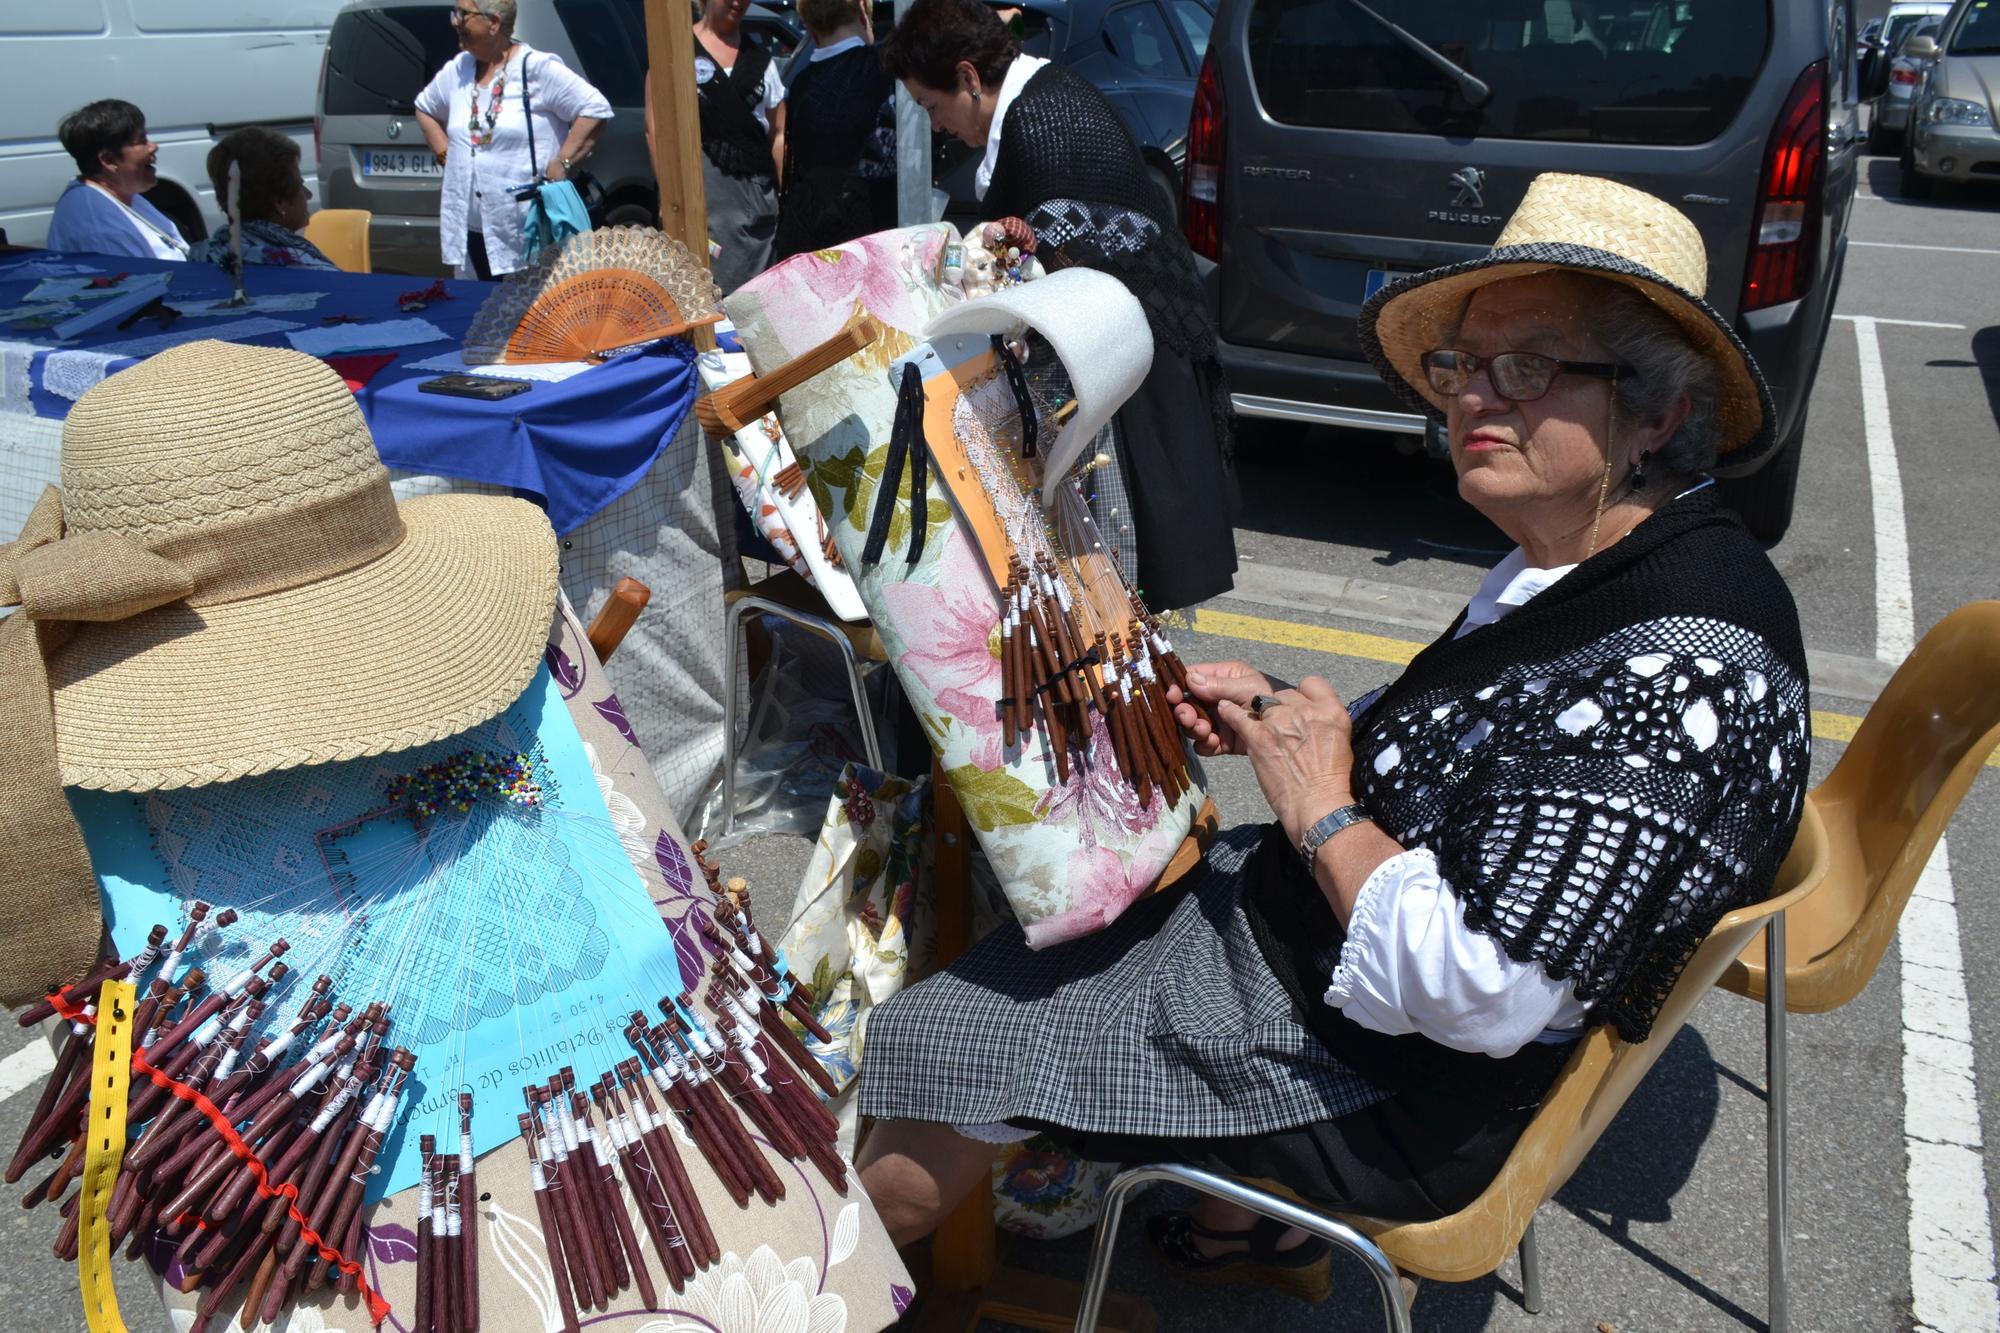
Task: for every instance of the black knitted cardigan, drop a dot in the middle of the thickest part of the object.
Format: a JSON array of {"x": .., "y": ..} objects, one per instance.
[
  {"x": 1068, "y": 167},
  {"x": 1602, "y": 775}
]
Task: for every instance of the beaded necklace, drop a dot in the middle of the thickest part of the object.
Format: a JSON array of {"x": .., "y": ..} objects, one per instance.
[{"x": 480, "y": 131}]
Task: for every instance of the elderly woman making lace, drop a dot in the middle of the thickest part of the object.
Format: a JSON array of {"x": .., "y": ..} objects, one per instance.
[{"x": 1526, "y": 834}]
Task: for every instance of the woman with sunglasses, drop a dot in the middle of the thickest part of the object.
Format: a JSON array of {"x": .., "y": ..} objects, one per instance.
[
  {"x": 501, "y": 117},
  {"x": 1525, "y": 835}
]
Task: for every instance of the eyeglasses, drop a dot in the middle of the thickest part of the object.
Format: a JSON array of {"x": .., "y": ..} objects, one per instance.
[
  {"x": 1519, "y": 377},
  {"x": 459, "y": 16}
]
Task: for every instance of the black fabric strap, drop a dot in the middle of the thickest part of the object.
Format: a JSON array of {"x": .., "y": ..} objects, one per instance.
[
  {"x": 906, "y": 438},
  {"x": 1018, "y": 382},
  {"x": 528, "y": 112}
]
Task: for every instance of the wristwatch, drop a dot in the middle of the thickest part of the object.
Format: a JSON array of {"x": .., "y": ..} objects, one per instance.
[{"x": 1329, "y": 825}]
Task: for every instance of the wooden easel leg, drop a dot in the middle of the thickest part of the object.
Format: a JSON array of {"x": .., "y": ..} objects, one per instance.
[{"x": 967, "y": 1281}]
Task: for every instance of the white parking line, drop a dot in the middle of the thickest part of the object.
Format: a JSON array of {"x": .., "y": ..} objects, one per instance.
[
  {"x": 1951, "y": 1239},
  {"x": 1895, "y": 631},
  {"x": 1951, "y": 1234},
  {"x": 26, "y": 1067},
  {"x": 1941, "y": 249},
  {"x": 1901, "y": 323}
]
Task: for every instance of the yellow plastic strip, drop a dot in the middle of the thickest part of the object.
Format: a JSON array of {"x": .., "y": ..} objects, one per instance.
[{"x": 110, "y": 1073}]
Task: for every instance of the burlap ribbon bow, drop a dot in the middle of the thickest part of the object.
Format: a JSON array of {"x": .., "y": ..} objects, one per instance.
[{"x": 53, "y": 919}]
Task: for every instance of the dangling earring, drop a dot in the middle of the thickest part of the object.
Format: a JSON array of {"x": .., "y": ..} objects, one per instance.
[{"x": 1638, "y": 478}]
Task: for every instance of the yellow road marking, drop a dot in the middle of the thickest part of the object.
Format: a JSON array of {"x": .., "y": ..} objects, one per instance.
[{"x": 1827, "y": 726}]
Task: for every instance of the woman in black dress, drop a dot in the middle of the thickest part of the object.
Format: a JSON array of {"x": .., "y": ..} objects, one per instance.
[
  {"x": 840, "y": 145},
  {"x": 742, "y": 106},
  {"x": 1061, "y": 170}
]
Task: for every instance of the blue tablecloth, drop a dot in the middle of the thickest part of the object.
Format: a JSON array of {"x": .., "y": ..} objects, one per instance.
[{"x": 573, "y": 446}]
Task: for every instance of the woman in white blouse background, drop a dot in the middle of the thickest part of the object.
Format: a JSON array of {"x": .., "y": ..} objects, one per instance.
[{"x": 475, "y": 119}]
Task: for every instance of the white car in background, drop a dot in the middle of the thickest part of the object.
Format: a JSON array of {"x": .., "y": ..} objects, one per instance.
[
  {"x": 1889, "y": 114},
  {"x": 197, "y": 68}
]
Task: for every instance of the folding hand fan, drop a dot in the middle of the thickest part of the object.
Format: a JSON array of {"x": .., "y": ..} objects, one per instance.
[{"x": 601, "y": 291}]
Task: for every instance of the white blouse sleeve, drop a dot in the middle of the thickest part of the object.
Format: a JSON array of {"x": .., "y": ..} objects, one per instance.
[
  {"x": 1411, "y": 964},
  {"x": 570, "y": 96},
  {"x": 435, "y": 100}
]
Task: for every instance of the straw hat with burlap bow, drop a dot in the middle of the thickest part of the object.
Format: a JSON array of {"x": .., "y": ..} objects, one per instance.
[
  {"x": 225, "y": 586},
  {"x": 1587, "y": 225}
]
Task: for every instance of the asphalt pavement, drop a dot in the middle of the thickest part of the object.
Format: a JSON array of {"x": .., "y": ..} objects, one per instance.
[{"x": 1354, "y": 555}]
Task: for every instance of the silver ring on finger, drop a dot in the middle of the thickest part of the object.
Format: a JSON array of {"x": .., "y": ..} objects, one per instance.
[{"x": 1261, "y": 704}]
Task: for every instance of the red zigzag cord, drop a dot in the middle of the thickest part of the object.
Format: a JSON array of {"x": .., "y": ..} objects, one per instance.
[{"x": 378, "y": 1308}]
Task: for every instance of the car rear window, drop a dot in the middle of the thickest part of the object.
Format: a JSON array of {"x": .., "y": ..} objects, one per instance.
[
  {"x": 1978, "y": 33},
  {"x": 610, "y": 41},
  {"x": 378, "y": 60},
  {"x": 1635, "y": 71}
]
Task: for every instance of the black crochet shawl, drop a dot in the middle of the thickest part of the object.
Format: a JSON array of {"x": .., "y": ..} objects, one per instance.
[
  {"x": 1068, "y": 166},
  {"x": 1602, "y": 775}
]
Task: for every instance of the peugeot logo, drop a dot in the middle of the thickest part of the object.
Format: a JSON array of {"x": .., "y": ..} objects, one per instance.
[
  {"x": 1471, "y": 183},
  {"x": 396, "y": 131}
]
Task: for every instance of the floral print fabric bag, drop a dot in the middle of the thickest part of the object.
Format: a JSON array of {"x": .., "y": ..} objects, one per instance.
[{"x": 1070, "y": 855}]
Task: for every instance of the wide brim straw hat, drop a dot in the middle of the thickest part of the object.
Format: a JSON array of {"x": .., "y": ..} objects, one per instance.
[
  {"x": 1582, "y": 224},
  {"x": 225, "y": 586}
]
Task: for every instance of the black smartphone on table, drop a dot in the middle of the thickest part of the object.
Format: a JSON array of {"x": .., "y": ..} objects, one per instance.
[{"x": 490, "y": 388}]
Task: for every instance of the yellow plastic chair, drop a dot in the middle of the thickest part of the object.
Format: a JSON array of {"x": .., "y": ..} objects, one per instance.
[
  {"x": 1884, "y": 807},
  {"x": 342, "y": 236},
  {"x": 1587, "y": 1095}
]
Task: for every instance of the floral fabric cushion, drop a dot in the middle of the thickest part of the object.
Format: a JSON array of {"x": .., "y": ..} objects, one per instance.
[{"x": 1071, "y": 855}]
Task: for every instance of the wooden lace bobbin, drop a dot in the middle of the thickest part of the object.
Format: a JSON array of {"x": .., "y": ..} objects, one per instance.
[
  {"x": 616, "y": 1216},
  {"x": 586, "y": 1277},
  {"x": 655, "y": 1143},
  {"x": 551, "y": 1233},
  {"x": 584, "y": 1181},
  {"x": 657, "y": 1180},
  {"x": 705, "y": 1064},
  {"x": 469, "y": 1208},
  {"x": 647, "y": 1184},
  {"x": 421, "y": 1316},
  {"x": 369, "y": 1131}
]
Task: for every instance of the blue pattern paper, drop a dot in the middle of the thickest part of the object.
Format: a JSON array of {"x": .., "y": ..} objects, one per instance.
[{"x": 510, "y": 941}]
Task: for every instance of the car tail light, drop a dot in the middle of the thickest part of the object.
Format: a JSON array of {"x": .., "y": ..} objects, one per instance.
[
  {"x": 1787, "y": 237},
  {"x": 1201, "y": 195},
  {"x": 319, "y": 108},
  {"x": 1904, "y": 75}
]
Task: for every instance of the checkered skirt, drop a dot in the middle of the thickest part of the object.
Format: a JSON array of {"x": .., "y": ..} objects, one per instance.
[{"x": 1166, "y": 1023}]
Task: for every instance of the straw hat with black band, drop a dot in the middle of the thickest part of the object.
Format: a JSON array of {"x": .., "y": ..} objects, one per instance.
[
  {"x": 1583, "y": 224},
  {"x": 225, "y": 586}
]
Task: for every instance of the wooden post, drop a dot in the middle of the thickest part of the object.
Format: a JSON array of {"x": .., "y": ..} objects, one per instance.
[
  {"x": 677, "y": 142},
  {"x": 677, "y": 155}
]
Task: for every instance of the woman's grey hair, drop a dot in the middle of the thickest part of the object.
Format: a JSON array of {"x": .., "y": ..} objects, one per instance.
[
  {"x": 502, "y": 12},
  {"x": 1639, "y": 334}
]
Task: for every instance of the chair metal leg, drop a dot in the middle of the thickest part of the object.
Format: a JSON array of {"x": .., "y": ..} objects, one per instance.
[
  {"x": 857, "y": 689},
  {"x": 732, "y": 665},
  {"x": 1387, "y": 1284},
  {"x": 1531, "y": 1270},
  {"x": 1776, "y": 1258}
]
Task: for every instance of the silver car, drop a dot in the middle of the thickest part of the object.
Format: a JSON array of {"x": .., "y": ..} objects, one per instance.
[
  {"x": 1889, "y": 114},
  {"x": 1952, "y": 135}
]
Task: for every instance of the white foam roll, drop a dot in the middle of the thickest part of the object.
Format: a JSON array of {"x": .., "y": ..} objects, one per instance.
[{"x": 1099, "y": 333}]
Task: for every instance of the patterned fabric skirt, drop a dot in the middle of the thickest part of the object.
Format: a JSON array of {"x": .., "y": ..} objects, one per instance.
[{"x": 1166, "y": 1023}]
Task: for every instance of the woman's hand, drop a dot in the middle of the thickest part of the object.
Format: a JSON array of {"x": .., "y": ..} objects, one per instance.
[
  {"x": 1208, "y": 681},
  {"x": 555, "y": 171},
  {"x": 1301, "y": 746}
]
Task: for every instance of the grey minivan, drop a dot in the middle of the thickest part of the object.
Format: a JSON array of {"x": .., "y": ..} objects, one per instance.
[
  {"x": 1335, "y": 145},
  {"x": 381, "y": 53}
]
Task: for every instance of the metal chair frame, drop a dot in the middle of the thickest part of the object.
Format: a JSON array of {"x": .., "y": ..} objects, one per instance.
[
  {"x": 1377, "y": 1261},
  {"x": 739, "y": 613}
]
